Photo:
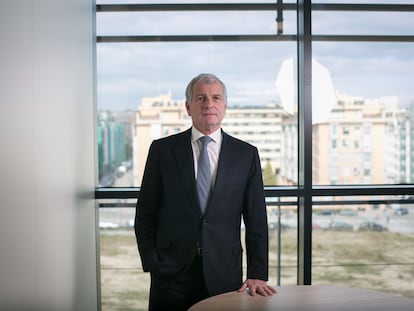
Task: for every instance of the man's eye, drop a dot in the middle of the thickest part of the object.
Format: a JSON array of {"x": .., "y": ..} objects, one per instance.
[{"x": 199, "y": 98}]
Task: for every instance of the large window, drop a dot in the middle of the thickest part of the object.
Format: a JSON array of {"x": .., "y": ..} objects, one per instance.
[
  {"x": 358, "y": 70},
  {"x": 362, "y": 54}
]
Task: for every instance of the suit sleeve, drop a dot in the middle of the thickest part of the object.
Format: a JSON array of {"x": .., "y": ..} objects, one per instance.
[
  {"x": 147, "y": 208},
  {"x": 255, "y": 219}
]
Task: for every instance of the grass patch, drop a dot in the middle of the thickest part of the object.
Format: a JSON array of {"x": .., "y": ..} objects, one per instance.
[{"x": 381, "y": 261}]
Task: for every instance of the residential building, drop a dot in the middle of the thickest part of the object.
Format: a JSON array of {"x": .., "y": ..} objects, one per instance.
[{"x": 161, "y": 116}]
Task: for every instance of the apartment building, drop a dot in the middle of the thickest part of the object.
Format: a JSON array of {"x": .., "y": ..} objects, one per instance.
[
  {"x": 368, "y": 139},
  {"x": 362, "y": 142},
  {"x": 160, "y": 116},
  {"x": 156, "y": 117}
]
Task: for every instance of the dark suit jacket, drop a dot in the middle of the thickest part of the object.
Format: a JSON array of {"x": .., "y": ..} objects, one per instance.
[{"x": 169, "y": 223}]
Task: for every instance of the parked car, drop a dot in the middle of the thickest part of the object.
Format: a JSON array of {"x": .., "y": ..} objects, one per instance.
[
  {"x": 108, "y": 225},
  {"x": 131, "y": 222},
  {"x": 274, "y": 226},
  {"x": 316, "y": 227},
  {"x": 348, "y": 212},
  {"x": 401, "y": 211},
  {"x": 107, "y": 181},
  {"x": 325, "y": 212},
  {"x": 341, "y": 226},
  {"x": 371, "y": 226}
]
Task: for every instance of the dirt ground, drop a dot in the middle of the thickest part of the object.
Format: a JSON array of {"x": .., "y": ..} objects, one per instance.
[{"x": 377, "y": 260}]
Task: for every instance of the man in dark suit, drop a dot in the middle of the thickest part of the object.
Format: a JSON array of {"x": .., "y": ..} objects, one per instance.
[{"x": 190, "y": 242}]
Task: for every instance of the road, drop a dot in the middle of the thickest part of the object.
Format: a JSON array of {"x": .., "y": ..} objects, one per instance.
[{"x": 404, "y": 224}]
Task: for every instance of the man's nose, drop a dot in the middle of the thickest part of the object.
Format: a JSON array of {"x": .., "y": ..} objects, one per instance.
[{"x": 208, "y": 102}]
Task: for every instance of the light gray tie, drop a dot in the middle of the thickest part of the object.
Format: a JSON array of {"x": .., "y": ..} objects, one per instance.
[{"x": 203, "y": 173}]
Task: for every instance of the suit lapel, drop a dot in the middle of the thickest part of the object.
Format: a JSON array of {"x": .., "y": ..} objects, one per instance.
[
  {"x": 183, "y": 153},
  {"x": 226, "y": 157}
]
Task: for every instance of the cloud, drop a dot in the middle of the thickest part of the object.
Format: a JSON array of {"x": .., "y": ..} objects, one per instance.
[{"x": 129, "y": 71}]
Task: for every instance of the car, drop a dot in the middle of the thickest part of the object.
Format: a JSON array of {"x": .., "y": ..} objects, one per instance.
[
  {"x": 341, "y": 226},
  {"x": 401, "y": 211},
  {"x": 325, "y": 212},
  {"x": 348, "y": 212},
  {"x": 131, "y": 222},
  {"x": 316, "y": 227},
  {"x": 371, "y": 226},
  {"x": 108, "y": 225},
  {"x": 275, "y": 226},
  {"x": 107, "y": 181}
]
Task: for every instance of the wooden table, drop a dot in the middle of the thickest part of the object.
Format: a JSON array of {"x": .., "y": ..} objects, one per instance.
[{"x": 308, "y": 298}]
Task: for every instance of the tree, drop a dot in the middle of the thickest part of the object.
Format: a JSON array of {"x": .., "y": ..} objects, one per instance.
[{"x": 269, "y": 177}]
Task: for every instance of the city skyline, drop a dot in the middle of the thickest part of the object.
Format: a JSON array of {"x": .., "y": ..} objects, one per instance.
[{"x": 355, "y": 131}]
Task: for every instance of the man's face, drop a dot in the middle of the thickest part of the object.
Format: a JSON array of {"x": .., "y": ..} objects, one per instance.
[{"x": 207, "y": 107}]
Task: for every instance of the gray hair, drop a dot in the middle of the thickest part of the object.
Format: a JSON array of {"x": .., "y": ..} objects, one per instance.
[{"x": 204, "y": 78}]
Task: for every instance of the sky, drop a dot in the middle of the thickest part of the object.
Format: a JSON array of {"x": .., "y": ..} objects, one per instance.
[{"x": 126, "y": 72}]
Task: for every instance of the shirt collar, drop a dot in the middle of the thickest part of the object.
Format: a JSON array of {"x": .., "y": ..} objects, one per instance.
[{"x": 196, "y": 134}]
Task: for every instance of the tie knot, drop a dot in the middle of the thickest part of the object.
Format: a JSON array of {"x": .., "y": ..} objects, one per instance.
[{"x": 205, "y": 140}]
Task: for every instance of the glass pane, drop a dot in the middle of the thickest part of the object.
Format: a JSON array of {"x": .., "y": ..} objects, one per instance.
[
  {"x": 192, "y": 22},
  {"x": 124, "y": 286},
  {"x": 362, "y": 125},
  {"x": 282, "y": 223},
  {"x": 364, "y": 245},
  {"x": 362, "y": 99},
  {"x": 147, "y": 82},
  {"x": 362, "y": 23}
]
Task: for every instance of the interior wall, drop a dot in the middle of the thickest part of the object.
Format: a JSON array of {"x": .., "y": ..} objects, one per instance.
[{"x": 48, "y": 254}]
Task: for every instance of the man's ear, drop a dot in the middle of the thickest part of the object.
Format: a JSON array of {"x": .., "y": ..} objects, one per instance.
[{"x": 187, "y": 106}]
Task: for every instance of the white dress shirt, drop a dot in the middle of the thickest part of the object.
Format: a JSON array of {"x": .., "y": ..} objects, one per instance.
[{"x": 213, "y": 149}]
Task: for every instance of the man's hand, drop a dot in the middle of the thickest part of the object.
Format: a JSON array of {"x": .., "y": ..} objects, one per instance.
[{"x": 256, "y": 286}]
